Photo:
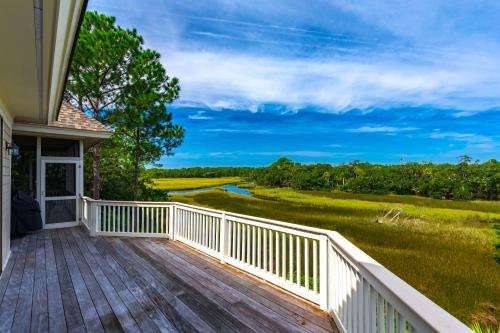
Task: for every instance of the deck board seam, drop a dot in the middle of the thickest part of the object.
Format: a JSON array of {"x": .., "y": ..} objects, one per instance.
[
  {"x": 223, "y": 290},
  {"x": 92, "y": 262},
  {"x": 98, "y": 295},
  {"x": 160, "y": 288},
  {"x": 82, "y": 293},
  {"x": 159, "y": 300},
  {"x": 274, "y": 296},
  {"x": 142, "y": 298}
]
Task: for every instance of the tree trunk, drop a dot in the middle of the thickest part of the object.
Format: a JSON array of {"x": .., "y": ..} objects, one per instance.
[
  {"x": 136, "y": 167},
  {"x": 96, "y": 160},
  {"x": 136, "y": 176},
  {"x": 96, "y": 174}
]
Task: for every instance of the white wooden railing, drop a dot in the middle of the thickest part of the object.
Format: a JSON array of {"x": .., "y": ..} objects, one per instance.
[{"x": 316, "y": 264}]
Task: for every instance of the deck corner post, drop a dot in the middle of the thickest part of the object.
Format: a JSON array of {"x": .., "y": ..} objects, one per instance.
[
  {"x": 94, "y": 226},
  {"x": 223, "y": 238},
  {"x": 323, "y": 273},
  {"x": 171, "y": 221}
]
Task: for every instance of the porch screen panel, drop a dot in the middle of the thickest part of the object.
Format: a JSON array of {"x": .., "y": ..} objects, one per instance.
[
  {"x": 60, "y": 211},
  {"x": 60, "y": 147},
  {"x": 60, "y": 192},
  {"x": 60, "y": 179}
]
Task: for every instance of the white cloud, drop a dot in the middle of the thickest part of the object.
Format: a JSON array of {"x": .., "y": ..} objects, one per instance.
[
  {"x": 200, "y": 115},
  {"x": 233, "y": 80},
  {"x": 457, "y": 136},
  {"x": 229, "y": 130},
  {"x": 382, "y": 129},
  {"x": 472, "y": 144},
  {"x": 304, "y": 153}
]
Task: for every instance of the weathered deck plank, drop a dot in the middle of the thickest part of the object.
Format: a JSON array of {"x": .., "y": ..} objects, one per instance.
[
  {"x": 39, "y": 314},
  {"x": 10, "y": 298},
  {"x": 63, "y": 280}
]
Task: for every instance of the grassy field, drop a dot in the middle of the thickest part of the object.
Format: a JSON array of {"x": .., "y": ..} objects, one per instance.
[
  {"x": 174, "y": 184},
  {"x": 442, "y": 248}
]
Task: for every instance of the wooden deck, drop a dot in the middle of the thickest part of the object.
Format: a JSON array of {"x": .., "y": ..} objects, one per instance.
[{"x": 63, "y": 280}]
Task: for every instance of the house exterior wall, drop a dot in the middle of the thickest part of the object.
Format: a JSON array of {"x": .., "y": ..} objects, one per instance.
[{"x": 6, "y": 183}]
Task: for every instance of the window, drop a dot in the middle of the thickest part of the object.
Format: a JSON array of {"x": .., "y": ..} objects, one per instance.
[{"x": 60, "y": 147}]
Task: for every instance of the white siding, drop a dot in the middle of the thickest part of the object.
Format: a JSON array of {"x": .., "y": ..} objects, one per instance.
[{"x": 6, "y": 183}]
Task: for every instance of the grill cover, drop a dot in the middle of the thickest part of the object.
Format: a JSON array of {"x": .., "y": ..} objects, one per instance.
[{"x": 25, "y": 214}]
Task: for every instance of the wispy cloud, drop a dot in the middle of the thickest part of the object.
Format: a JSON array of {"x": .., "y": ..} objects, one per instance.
[
  {"x": 336, "y": 85},
  {"x": 473, "y": 144},
  {"x": 381, "y": 129},
  {"x": 338, "y": 55},
  {"x": 457, "y": 136},
  {"x": 232, "y": 130},
  {"x": 305, "y": 153},
  {"x": 199, "y": 115}
]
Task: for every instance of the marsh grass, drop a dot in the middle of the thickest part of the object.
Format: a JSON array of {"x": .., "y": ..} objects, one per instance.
[
  {"x": 447, "y": 257},
  {"x": 174, "y": 184},
  {"x": 475, "y": 205}
]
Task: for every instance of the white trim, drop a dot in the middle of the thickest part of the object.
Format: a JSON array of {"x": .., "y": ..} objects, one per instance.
[
  {"x": 61, "y": 225},
  {"x": 6, "y": 115},
  {"x": 60, "y": 159},
  {"x": 69, "y": 197},
  {"x": 67, "y": 23},
  {"x": 34, "y": 129},
  {"x": 7, "y": 259},
  {"x": 38, "y": 168}
]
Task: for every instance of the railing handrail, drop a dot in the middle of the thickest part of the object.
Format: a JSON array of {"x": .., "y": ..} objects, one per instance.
[
  {"x": 260, "y": 219},
  {"x": 425, "y": 315},
  {"x": 158, "y": 203},
  {"x": 416, "y": 306}
]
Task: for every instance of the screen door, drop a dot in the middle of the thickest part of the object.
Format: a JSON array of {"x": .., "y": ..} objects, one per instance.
[{"x": 59, "y": 193}]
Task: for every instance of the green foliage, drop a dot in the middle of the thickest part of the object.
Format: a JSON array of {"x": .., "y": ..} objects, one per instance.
[
  {"x": 116, "y": 170},
  {"x": 173, "y": 184},
  {"x": 117, "y": 81},
  {"x": 477, "y": 328},
  {"x": 100, "y": 68},
  {"x": 141, "y": 116},
  {"x": 462, "y": 181},
  {"x": 100, "y": 72},
  {"x": 496, "y": 255},
  {"x": 200, "y": 172}
]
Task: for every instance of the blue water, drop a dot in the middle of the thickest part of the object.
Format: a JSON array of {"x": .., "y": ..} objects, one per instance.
[
  {"x": 237, "y": 190},
  {"x": 230, "y": 188}
]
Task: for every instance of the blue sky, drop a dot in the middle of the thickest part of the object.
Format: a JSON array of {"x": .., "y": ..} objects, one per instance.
[{"x": 326, "y": 81}]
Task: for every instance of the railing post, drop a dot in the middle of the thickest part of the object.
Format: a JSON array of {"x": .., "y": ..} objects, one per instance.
[
  {"x": 94, "y": 226},
  {"x": 223, "y": 238},
  {"x": 323, "y": 273},
  {"x": 171, "y": 221}
]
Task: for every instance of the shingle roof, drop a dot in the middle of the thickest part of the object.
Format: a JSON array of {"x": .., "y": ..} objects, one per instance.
[{"x": 71, "y": 117}]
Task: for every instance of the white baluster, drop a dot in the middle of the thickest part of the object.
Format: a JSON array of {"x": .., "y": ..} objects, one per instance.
[
  {"x": 259, "y": 249},
  {"x": 264, "y": 251},
  {"x": 298, "y": 259},
  {"x": 271, "y": 257},
  {"x": 315, "y": 266},
  {"x": 323, "y": 272},
  {"x": 306, "y": 263}
]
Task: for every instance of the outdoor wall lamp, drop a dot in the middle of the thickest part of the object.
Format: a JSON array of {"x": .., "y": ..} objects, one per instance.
[{"x": 11, "y": 148}]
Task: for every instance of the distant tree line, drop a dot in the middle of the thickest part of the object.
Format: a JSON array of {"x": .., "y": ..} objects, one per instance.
[
  {"x": 200, "y": 172},
  {"x": 462, "y": 181}
]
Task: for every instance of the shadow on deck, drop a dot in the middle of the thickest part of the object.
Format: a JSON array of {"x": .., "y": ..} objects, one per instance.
[{"x": 63, "y": 280}]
